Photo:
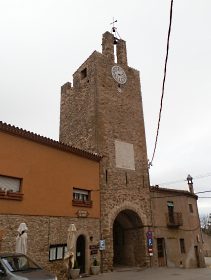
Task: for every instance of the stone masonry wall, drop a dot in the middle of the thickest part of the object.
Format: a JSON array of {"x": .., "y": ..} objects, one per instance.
[
  {"x": 78, "y": 109},
  {"x": 44, "y": 231}
]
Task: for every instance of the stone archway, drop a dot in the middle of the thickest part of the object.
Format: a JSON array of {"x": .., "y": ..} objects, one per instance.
[{"x": 128, "y": 239}]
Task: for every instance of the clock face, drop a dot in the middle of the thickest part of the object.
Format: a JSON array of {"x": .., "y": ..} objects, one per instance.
[{"x": 119, "y": 74}]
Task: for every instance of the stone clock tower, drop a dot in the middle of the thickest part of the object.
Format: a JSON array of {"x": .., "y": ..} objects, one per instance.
[{"x": 102, "y": 112}]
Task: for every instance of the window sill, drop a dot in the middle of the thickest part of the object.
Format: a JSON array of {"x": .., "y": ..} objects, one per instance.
[
  {"x": 82, "y": 203},
  {"x": 11, "y": 195}
]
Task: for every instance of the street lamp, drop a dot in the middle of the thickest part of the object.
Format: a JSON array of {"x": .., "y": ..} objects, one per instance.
[
  {"x": 189, "y": 179},
  {"x": 190, "y": 183}
]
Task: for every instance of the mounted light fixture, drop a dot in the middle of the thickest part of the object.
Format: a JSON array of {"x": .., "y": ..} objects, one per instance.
[
  {"x": 189, "y": 179},
  {"x": 190, "y": 183}
]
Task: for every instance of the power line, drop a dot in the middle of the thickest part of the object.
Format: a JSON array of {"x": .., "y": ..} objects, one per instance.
[
  {"x": 163, "y": 87},
  {"x": 184, "y": 180},
  {"x": 203, "y": 176},
  {"x": 172, "y": 182},
  {"x": 202, "y": 192},
  {"x": 178, "y": 195}
]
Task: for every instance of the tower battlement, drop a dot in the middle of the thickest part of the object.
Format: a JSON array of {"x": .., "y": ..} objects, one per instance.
[{"x": 108, "y": 49}]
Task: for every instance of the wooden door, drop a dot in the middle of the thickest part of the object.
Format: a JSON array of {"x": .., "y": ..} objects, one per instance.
[{"x": 161, "y": 252}]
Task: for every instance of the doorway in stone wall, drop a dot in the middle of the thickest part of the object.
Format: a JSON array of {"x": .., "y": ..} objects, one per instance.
[
  {"x": 197, "y": 256},
  {"x": 161, "y": 252},
  {"x": 128, "y": 240},
  {"x": 80, "y": 252}
]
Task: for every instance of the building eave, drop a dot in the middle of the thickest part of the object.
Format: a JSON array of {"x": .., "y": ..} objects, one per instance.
[
  {"x": 157, "y": 189},
  {"x": 19, "y": 132}
]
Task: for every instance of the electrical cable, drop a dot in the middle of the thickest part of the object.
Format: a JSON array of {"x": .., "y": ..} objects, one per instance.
[
  {"x": 182, "y": 180},
  {"x": 202, "y": 176},
  {"x": 180, "y": 194},
  {"x": 163, "y": 86},
  {"x": 171, "y": 182},
  {"x": 202, "y": 192}
]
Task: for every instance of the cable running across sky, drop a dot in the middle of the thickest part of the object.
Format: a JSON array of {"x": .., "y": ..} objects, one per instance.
[
  {"x": 163, "y": 87},
  {"x": 197, "y": 177}
]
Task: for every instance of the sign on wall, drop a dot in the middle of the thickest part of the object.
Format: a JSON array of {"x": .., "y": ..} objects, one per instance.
[
  {"x": 124, "y": 155},
  {"x": 82, "y": 213},
  {"x": 102, "y": 245},
  {"x": 93, "y": 249},
  {"x": 150, "y": 242}
]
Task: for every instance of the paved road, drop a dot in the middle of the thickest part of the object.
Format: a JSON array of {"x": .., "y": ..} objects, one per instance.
[
  {"x": 208, "y": 261},
  {"x": 156, "y": 274}
]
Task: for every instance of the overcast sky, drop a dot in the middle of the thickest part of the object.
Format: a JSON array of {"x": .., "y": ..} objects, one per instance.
[{"x": 43, "y": 42}]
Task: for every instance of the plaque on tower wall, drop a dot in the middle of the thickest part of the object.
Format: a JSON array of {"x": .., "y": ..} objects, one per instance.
[{"x": 124, "y": 155}]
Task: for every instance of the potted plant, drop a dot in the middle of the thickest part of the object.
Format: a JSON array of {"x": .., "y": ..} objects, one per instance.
[
  {"x": 95, "y": 267},
  {"x": 75, "y": 271}
]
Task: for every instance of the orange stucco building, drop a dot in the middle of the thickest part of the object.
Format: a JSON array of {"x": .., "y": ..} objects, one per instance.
[{"x": 48, "y": 185}]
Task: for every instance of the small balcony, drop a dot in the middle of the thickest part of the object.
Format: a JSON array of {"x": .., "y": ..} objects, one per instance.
[
  {"x": 82, "y": 203},
  {"x": 174, "y": 220},
  {"x": 11, "y": 195}
]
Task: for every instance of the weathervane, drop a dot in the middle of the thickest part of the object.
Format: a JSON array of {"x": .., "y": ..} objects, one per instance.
[{"x": 114, "y": 30}]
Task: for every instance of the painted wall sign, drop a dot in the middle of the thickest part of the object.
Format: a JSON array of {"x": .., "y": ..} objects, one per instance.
[{"x": 82, "y": 213}]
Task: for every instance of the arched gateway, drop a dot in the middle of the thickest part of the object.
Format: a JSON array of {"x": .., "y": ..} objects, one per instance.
[{"x": 128, "y": 239}]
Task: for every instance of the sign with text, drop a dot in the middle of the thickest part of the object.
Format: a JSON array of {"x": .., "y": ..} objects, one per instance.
[
  {"x": 94, "y": 247},
  {"x": 82, "y": 213},
  {"x": 93, "y": 252}
]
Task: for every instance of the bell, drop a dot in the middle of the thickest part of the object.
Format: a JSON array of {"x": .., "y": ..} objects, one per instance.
[{"x": 115, "y": 41}]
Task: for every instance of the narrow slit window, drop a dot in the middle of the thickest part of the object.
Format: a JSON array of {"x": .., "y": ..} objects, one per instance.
[
  {"x": 190, "y": 208},
  {"x": 84, "y": 73}
]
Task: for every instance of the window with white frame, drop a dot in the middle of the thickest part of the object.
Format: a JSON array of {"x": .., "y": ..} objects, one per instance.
[
  {"x": 9, "y": 184},
  {"x": 81, "y": 195},
  {"x": 57, "y": 252}
]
